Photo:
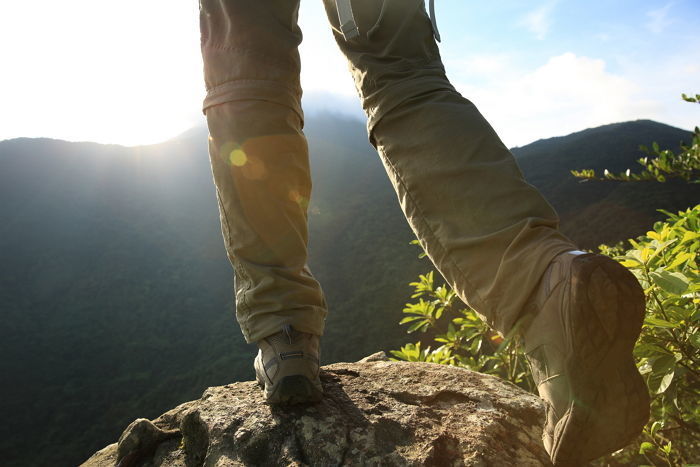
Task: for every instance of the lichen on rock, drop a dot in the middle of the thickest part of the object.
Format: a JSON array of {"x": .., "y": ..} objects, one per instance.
[{"x": 374, "y": 412}]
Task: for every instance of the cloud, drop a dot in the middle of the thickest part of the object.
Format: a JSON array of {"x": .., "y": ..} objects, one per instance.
[
  {"x": 316, "y": 101},
  {"x": 568, "y": 93},
  {"x": 539, "y": 20},
  {"x": 478, "y": 65},
  {"x": 658, "y": 19}
]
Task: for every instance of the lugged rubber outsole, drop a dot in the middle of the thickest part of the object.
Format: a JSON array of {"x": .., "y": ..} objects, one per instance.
[
  {"x": 291, "y": 390},
  {"x": 610, "y": 400}
]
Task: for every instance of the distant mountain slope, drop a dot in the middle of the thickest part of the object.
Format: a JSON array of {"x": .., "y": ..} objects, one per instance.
[
  {"x": 598, "y": 212},
  {"x": 115, "y": 291}
]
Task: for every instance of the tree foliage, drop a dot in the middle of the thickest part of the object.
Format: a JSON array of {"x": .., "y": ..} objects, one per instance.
[{"x": 665, "y": 261}]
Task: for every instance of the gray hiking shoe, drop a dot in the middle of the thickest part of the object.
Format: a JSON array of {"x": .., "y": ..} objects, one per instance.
[
  {"x": 287, "y": 367},
  {"x": 579, "y": 330}
]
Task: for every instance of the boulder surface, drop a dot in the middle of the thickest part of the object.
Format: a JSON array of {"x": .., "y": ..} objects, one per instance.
[{"x": 375, "y": 412}]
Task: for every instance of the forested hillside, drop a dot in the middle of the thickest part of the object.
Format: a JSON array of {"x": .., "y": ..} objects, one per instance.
[
  {"x": 594, "y": 213},
  {"x": 116, "y": 295}
]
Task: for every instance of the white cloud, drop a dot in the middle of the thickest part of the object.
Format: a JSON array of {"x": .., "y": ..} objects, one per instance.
[
  {"x": 478, "y": 65},
  {"x": 566, "y": 94},
  {"x": 658, "y": 19},
  {"x": 318, "y": 101},
  {"x": 539, "y": 20}
]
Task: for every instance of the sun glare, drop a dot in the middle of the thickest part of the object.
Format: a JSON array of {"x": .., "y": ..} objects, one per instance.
[
  {"x": 130, "y": 72},
  {"x": 126, "y": 72}
]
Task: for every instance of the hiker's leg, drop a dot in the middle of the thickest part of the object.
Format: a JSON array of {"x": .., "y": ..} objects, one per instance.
[
  {"x": 495, "y": 238},
  {"x": 259, "y": 159},
  {"x": 489, "y": 233}
]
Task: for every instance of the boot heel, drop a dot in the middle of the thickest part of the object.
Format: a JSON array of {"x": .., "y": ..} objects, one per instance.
[{"x": 296, "y": 389}]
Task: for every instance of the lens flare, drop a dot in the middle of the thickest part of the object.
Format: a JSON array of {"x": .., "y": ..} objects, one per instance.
[{"x": 238, "y": 158}]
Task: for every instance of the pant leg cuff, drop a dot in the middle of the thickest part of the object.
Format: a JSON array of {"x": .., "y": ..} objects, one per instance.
[
  {"x": 311, "y": 321},
  {"x": 265, "y": 90}
]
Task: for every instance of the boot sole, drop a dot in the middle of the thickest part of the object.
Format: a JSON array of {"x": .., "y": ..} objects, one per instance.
[
  {"x": 610, "y": 399},
  {"x": 291, "y": 390}
]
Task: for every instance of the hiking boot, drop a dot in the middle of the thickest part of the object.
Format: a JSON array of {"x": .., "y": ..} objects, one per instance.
[
  {"x": 287, "y": 367},
  {"x": 579, "y": 329}
]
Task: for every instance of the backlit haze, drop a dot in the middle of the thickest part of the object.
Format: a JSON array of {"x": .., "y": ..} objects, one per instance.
[{"x": 130, "y": 72}]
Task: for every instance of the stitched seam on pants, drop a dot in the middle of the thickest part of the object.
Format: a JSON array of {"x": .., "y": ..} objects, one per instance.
[
  {"x": 236, "y": 266},
  {"x": 234, "y": 83},
  {"x": 228, "y": 99},
  {"x": 244, "y": 298},
  {"x": 435, "y": 238},
  {"x": 241, "y": 90}
]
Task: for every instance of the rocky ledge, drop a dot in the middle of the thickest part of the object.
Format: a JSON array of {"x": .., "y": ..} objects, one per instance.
[{"x": 375, "y": 412}]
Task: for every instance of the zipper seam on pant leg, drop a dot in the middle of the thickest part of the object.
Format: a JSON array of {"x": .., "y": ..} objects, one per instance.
[{"x": 238, "y": 269}]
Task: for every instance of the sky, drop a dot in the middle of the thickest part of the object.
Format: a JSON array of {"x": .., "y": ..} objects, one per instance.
[{"x": 130, "y": 72}]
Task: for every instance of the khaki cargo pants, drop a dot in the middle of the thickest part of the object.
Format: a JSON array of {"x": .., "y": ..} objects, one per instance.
[{"x": 488, "y": 232}]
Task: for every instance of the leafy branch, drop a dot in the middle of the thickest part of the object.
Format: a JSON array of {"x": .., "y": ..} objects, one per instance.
[{"x": 659, "y": 165}]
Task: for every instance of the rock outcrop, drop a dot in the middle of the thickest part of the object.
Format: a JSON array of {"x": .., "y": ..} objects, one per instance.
[{"x": 374, "y": 413}]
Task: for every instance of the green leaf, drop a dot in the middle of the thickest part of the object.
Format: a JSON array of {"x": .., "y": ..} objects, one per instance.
[
  {"x": 695, "y": 340},
  {"x": 665, "y": 382},
  {"x": 661, "y": 376},
  {"x": 408, "y": 319},
  {"x": 689, "y": 235},
  {"x": 680, "y": 259},
  {"x": 417, "y": 326},
  {"x": 648, "y": 349},
  {"x": 646, "y": 447},
  {"x": 658, "y": 322},
  {"x": 629, "y": 261},
  {"x": 662, "y": 246},
  {"x": 672, "y": 282}
]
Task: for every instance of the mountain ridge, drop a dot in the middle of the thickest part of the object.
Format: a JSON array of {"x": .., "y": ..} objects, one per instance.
[
  {"x": 198, "y": 130},
  {"x": 116, "y": 292},
  {"x": 600, "y": 129}
]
